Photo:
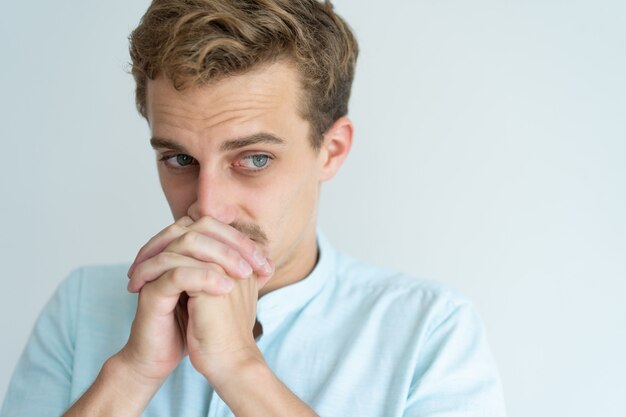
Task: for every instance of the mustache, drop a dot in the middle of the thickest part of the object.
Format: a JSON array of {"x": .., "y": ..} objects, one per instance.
[{"x": 252, "y": 230}]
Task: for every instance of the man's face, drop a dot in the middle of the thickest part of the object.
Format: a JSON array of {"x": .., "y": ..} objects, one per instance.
[{"x": 239, "y": 151}]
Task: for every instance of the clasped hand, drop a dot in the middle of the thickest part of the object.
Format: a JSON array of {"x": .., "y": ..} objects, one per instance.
[{"x": 198, "y": 285}]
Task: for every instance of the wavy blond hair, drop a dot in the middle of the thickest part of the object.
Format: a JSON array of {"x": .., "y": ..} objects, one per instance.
[{"x": 197, "y": 42}]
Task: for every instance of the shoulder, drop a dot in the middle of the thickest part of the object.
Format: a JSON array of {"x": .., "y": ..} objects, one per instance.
[
  {"x": 95, "y": 280},
  {"x": 97, "y": 288},
  {"x": 379, "y": 283},
  {"x": 102, "y": 274},
  {"x": 408, "y": 308},
  {"x": 97, "y": 276}
]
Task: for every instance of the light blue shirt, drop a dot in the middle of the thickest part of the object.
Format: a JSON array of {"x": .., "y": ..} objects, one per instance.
[{"x": 350, "y": 340}]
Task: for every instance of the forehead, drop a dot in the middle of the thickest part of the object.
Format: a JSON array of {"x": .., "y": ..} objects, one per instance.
[{"x": 266, "y": 97}]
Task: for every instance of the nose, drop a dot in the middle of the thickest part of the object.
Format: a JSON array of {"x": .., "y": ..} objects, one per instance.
[{"x": 214, "y": 198}]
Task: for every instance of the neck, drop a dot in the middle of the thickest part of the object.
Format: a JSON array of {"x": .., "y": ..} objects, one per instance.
[{"x": 297, "y": 265}]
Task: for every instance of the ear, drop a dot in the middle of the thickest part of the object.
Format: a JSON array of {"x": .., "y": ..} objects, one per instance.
[{"x": 336, "y": 147}]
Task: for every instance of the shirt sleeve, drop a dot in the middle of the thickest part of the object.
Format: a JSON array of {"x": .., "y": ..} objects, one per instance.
[
  {"x": 41, "y": 382},
  {"x": 456, "y": 375}
]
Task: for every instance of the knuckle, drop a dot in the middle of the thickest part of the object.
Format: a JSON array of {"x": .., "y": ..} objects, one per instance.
[
  {"x": 209, "y": 276},
  {"x": 177, "y": 275},
  {"x": 217, "y": 269},
  {"x": 230, "y": 254},
  {"x": 204, "y": 223},
  {"x": 163, "y": 259},
  {"x": 141, "y": 253},
  {"x": 183, "y": 221},
  {"x": 243, "y": 241},
  {"x": 143, "y": 248},
  {"x": 189, "y": 239},
  {"x": 175, "y": 229},
  {"x": 247, "y": 244},
  {"x": 137, "y": 271},
  {"x": 213, "y": 281}
]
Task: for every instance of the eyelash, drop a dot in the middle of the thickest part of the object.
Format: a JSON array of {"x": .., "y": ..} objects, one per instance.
[
  {"x": 165, "y": 158},
  {"x": 251, "y": 156}
]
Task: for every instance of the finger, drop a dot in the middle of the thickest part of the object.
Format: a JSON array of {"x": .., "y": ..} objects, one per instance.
[
  {"x": 264, "y": 279},
  {"x": 198, "y": 246},
  {"x": 210, "y": 227},
  {"x": 250, "y": 250},
  {"x": 160, "y": 241},
  {"x": 154, "y": 267},
  {"x": 161, "y": 296}
]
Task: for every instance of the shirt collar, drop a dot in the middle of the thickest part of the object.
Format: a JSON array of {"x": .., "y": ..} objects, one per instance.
[{"x": 277, "y": 304}]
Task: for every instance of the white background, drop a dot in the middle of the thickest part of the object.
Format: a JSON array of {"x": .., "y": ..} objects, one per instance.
[{"x": 490, "y": 154}]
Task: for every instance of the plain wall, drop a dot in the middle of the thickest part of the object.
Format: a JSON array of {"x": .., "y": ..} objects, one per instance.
[{"x": 489, "y": 154}]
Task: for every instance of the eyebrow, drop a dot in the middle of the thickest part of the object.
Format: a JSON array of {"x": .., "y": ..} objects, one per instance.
[
  {"x": 229, "y": 145},
  {"x": 161, "y": 143},
  {"x": 262, "y": 137}
]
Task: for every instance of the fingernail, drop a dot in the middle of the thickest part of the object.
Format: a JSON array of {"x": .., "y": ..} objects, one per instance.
[
  {"x": 245, "y": 268},
  {"x": 267, "y": 268},
  {"x": 259, "y": 258},
  {"x": 227, "y": 284}
]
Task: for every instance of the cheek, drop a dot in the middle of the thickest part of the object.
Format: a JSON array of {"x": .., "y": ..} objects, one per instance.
[
  {"x": 301, "y": 188},
  {"x": 180, "y": 195},
  {"x": 292, "y": 206}
]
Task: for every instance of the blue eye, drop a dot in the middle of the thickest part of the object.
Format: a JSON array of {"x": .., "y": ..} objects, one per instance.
[
  {"x": 183, "y": 160},
  {"x": 260, "y": 161},
  {"x": 255, "y": 162},
  {"x": 180, "y": 160}
]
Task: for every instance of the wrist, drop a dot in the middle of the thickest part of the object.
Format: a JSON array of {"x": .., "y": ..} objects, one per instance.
[
  {"x": 115, "y": 392},
  {"x": 121, "y": 367},
  {"x": 253, "y": 389},
  {"x": 243, "y": 382},
  {"x": 235, "y": 370}
]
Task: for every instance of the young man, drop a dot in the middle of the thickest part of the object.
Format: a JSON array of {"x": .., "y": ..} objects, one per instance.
[{"x": 243, "y": 307}]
